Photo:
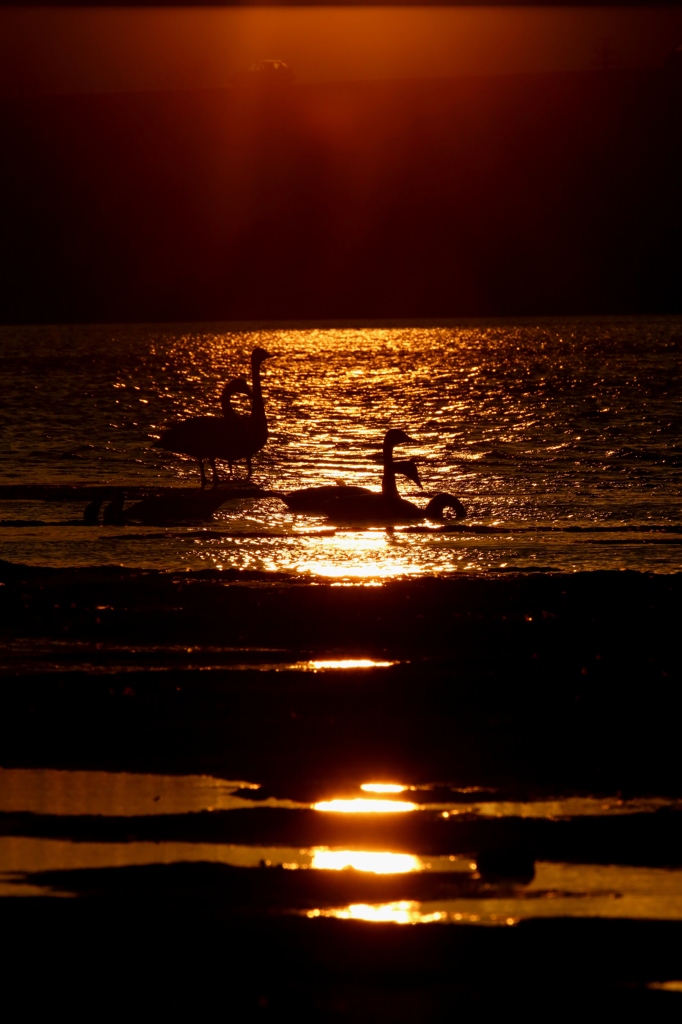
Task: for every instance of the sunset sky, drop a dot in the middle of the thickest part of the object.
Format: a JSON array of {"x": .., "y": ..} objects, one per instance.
[{"x": 125, "y": 49}]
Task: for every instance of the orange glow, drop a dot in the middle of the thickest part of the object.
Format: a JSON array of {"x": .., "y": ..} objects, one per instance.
[
  {"x": 353, "y": 663},
  {"x": 382, "y": 787},
  {"x": 361, "y": 806},
  {"x": 361, "y": 860},
  {"x": 198, "y": 48},
  {"x": 400, "y": 912}
]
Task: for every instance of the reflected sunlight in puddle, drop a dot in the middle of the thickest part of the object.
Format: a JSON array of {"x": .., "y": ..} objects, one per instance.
[
  {"x": 360, "y": 806},
  {"x": 382, "y": 787},
  {"x": 400, "y": 912},
  {"x": 558, "y": 890},
  {"x": 315, "y": 666},
  {"x": 361, "y": 860}
]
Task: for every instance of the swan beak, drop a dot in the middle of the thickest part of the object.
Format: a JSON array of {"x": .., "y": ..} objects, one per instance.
[{"x": 270, "y": 355}]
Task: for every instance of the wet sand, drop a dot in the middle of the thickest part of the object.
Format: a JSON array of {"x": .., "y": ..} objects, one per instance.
[{"x": 511, "y": 687}]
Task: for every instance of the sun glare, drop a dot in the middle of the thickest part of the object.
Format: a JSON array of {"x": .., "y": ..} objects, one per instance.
[
  {"x": 362, "y": 806},
  {"x": 353, "y": 663},
  {"x": 382, "y": 787},
  {"x": 400, "y": 912},
  {"x": 361, "y": 860}
]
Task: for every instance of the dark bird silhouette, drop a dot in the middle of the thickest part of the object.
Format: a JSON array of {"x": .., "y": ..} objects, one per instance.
[
  {"x": 178, "y": 507},
  {"x": 113, "y": 513},
  {"x": 212, "y": 437},
  {"x": 327, "y": 499},
  {"x": 254, "y": 432},
  {"x": 91, "y": 512},
  {"x": 388, "y": 506},
  {"x": 247, "y": 434},
  {"x": 319, "y": 500}
]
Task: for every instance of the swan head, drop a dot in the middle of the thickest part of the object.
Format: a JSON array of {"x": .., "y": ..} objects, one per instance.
[
  {"x": 394, "y": 437},
  {"x": 408, "y": 468},
  {"x": 237, "y": 386},
  {"x": 259, "y": 355}
]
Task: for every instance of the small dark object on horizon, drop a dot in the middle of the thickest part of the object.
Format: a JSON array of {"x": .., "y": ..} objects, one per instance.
[
  {"x": 506, "y": 864},
  {"x": 113, "y": 513}
]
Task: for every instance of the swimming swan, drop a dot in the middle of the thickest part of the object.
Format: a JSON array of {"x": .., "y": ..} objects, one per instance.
[
  {"x": 211, "y": 437},
  {"x": 320, "y": 500},
  {"x": 326, "y": 500},
  {"x": 389, "y": 506}
]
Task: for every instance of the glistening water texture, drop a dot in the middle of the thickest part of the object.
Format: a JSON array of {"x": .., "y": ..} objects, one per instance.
[{"x": 563, "y": 435}]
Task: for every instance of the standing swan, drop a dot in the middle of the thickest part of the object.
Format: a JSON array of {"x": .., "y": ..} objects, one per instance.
[
  {"x": 253, "y": 430},
  {"x": 210, "y": 437}
]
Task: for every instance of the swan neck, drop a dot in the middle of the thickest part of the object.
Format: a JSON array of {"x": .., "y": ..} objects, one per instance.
[{"x": 257, "y": 406}]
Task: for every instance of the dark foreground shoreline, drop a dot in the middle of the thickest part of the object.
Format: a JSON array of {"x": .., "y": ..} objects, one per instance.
[
  {"x": 533, "y": 684},
  {"x": 541, "y": 681}
]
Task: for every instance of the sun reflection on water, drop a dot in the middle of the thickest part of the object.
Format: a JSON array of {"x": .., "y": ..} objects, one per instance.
[
  {"x": 358, "y": 805},
  {"x": 382, "y": 787},
  {"x": 378, "y": 863},
  {"x": 399, "y": 912}
]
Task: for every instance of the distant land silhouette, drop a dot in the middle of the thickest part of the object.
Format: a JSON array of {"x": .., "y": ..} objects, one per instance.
[{"x": 517, "y": 195}]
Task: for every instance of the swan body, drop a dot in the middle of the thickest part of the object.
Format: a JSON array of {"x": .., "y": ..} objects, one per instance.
[
  {"x": 243, "y": 436},
  {"x": 389, "y": 506},
  {"x": 337, "y": 500},
  {"x": 210, "y": 437},
  {"x": 161, "y": 509},
  {"x": 321, "y": 500},
  {"x": 379, "y": 508}
]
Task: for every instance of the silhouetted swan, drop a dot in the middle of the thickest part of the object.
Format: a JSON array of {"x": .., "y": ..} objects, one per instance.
[
  {"x": 113, "y": 514},
  {"x": 211, "y": 437},
  {"x": 248, "y": 434},
  {"x": 183, "y": 506},
  {"x": 325, "y": 500},
  {"x": 254, "y": 431},
  {"x": 91, "y": 512},
  {"x": 389, "y": 506},
  {"x": 319, "y": 500}
]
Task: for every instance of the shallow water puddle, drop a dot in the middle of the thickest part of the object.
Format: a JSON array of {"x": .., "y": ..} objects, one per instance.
[
  {"x": 557, "y": 890},
  {"x": 56, "y": 791}
]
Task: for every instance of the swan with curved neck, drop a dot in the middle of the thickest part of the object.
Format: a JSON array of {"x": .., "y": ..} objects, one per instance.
[
  {"x": 389, "y": 506},
  {"x": 210, "y": 437},
  {"x": 325, "y": 500}
]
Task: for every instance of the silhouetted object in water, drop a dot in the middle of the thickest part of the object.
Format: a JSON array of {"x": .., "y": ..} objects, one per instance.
[
  {"x": 91, "y": 512},
  {"x": 255, "y": 431},
  {"x": 113, "y": 513},
  {"x": 271, "y": 74},
  {"x": 506, "y": 864},
  {"x": 192, "y": 506},
  {"x": 319, "y": 500},
  {"x": 388, "y": 506},
  {"x": 211, "y": 437}
]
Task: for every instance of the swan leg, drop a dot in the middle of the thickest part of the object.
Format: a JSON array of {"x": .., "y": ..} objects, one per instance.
[
  {"x": 230, "y": 465},
  {"x": 215, "y": 472},
  {"x": 248, "y": 465},
  {"x": 203, "y": 475}
]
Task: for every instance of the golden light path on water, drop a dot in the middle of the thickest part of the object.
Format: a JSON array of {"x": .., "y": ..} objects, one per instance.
[
  {"x": 379, "y": 863},
  {"x": 358, "y": 805},
  {"x": 382, "y": 787},
  {"x": 537, "y": 427},
  {"x": 557, "y": 890}
]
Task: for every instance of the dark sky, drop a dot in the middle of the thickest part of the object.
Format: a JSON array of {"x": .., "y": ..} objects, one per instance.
[{"x": 122, "y": 49}]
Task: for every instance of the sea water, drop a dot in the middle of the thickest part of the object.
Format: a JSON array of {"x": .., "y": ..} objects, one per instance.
[{"x": 562, "y": 437}]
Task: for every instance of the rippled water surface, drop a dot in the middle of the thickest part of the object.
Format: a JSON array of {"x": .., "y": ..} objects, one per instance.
[{"x": 563, "y": 435}]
